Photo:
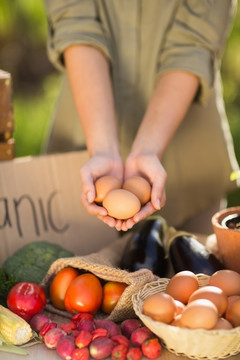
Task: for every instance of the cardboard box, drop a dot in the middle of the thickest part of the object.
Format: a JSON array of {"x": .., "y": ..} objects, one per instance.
[{"x": 40, "y": 200}]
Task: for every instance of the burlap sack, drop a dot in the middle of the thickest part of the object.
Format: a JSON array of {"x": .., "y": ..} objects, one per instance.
[{"x": 105, "y": 265}]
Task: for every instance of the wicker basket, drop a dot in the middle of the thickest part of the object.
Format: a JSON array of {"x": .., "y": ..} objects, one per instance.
[{"x": 195, "y": 344}]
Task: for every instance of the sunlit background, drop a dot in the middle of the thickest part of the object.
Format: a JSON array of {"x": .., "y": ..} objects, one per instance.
[{"x": 23, "y": 30}]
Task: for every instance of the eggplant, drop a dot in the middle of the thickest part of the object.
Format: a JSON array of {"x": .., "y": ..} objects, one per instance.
[
  {"x": 145, "y": 248},
  {"x": 187, "y": 253}
]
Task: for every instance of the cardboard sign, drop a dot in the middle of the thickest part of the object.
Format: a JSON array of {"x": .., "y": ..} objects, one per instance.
[{"x": 40, "y": 200}]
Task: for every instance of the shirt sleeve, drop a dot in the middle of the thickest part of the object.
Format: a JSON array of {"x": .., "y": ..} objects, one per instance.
[
  {"x": 196, "y": 40},
  {"x": 74, "y": 22}
]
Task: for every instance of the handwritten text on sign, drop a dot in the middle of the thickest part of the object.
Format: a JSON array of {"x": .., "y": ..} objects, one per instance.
[{"x": 42, "y": 213}]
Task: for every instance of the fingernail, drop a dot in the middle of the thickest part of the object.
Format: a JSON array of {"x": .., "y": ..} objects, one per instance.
[
  {"x": 158, "y": 204},
  {"x": 90, "y": 197}
]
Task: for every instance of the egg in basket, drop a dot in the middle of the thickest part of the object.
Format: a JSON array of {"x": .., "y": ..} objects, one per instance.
[{"x": 194, "y": 315}]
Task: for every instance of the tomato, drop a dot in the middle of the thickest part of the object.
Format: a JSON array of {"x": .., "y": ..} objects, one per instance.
[
  {"x": 26, "y": 299},
  {"x": 59, "y": 286},
  {"x": 111, "y": 293},
  {"x": 84, "y": 294}
]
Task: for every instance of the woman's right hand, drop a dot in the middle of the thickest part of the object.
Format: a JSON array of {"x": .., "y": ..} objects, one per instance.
[{"x": 100, "y": 164}]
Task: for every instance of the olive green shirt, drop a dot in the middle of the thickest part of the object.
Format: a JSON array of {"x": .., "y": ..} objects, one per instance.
[{"x": 143, "y": 39}]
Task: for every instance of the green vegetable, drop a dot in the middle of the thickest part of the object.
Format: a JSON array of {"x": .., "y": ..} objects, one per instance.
[
  {"x": 31, "y": 262},
  {"x": 6, "y": 283},
  {"x": 6, "y": 347}
]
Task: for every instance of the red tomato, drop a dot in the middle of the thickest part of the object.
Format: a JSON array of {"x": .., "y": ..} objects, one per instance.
[
  {"x": 59, "y": 285},
  {"x": 26, "y": 299},
  {"x": 84, "y": 294},
  {"x": 111, "y": 293}
]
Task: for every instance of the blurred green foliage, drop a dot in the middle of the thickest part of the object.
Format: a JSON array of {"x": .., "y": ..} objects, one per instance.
[
  {"x": 32, "y": 116},
  {"x": 15, "y": 16},
  {"x": 231, "y": 87},
  {"x": 23, "y": 30},
  {"x": 231, "y": 79}
]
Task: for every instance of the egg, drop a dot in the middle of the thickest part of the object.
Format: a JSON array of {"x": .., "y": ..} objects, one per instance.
[
  {"x": 182, "y": 285},
  {"x": 121, "y": 204},
  {"x": 222, "y": 324},
  {"x": 177, "y": 320},
  {"x": 160, "y": 307},
  {"x": 104, "y": 185},
  {"x": 140, "y": 187},
  {"x": 227, "y": 280},
  {"x": 199, "y": 314},
  {"x": 233, "y": 313},
  {"x": 231, "y": 299},
  {"x": 180, "y": 307},
  {"x": 212, "y": 293}
]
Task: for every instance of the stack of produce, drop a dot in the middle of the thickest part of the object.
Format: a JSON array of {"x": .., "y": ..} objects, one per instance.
[
  {"x": 83, "y": 295},
  {"x": 83, "y": 337}
]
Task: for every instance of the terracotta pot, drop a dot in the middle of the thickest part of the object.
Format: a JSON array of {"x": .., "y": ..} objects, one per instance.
[{"x": 228, "y": 240}]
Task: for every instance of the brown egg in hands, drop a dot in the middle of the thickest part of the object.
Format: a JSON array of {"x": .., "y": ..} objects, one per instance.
[
  {"x": 104, "y": 185},
  {"x": 139, "y": 187},
  {"x": 122, "y": 202}
]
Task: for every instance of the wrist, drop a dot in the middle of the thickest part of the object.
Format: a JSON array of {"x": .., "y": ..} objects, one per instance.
[
  {"x": 146, "y": 147},
  {"x": 110, "y": 149}
]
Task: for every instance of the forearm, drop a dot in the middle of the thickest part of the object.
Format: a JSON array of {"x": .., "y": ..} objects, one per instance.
[
  {"x": 171, "y": 99},
  {"x": 88, "y": 72}
]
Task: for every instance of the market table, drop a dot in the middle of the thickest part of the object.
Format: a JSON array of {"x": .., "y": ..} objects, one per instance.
[{"x": 40, "y": 351}]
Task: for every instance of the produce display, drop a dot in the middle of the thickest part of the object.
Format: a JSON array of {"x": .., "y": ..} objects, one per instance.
[
  {"x": 75, "y": 339},
  {"x": 183, "y": 304},
  {"x": 156, "y": 247},
  {"x": 122, "y": 201},
  {"x": 74, "y": 292},
  {"x": 213, "y": 306}
]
